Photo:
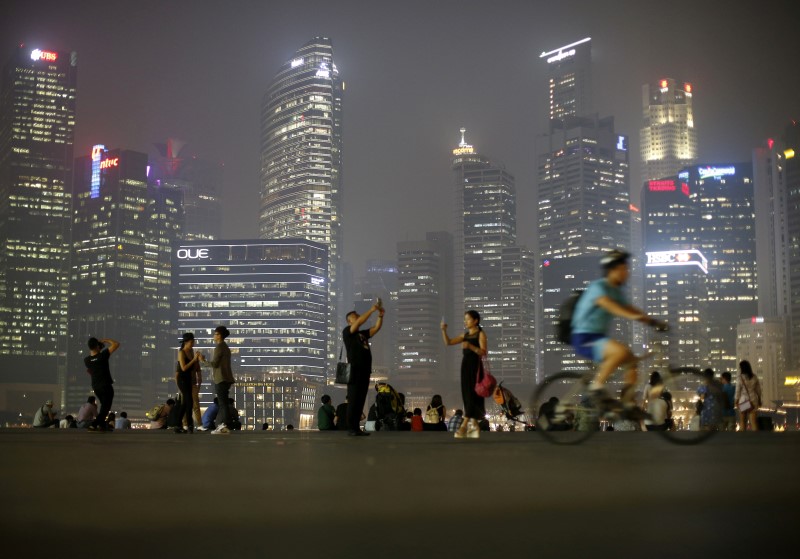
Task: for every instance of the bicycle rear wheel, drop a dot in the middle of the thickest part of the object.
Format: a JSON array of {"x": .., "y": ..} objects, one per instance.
[
  {"x": 573, "y": 417},
  {"x": 687, "y": 386}
]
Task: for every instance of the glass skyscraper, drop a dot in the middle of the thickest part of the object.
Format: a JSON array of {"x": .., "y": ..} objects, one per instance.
[
  {"x": 272, "y": 296},
  {"x": 301, "y": 159},
  {"x": 37, "y": 121},
  {"x": 495, "y": 274}
]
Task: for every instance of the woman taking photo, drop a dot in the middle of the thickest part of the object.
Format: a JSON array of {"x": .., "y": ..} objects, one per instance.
[{"x": 473, "y": 345}]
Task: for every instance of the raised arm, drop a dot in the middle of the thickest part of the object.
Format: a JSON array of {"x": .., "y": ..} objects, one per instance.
[
  {"x": 113, "y": 345},
  {"x": 375, "y": 329},
  {"x": 354, "y": 327},
  {"x": 448, "y": 340}
]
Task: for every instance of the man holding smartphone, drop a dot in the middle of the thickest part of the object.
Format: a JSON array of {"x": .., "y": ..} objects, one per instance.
[
  {"x": 359, "y": 356},
  {"x": 97, "y": 366}
]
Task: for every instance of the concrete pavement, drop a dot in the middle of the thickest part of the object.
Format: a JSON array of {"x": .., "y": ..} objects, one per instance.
[{"x": 69, "y": 493}]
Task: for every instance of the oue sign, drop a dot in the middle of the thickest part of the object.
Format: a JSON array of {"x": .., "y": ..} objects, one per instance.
[{"x": 192, "y": 253}]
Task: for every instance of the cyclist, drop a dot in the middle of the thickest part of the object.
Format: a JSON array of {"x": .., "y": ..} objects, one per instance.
[{"x": 594, "y": 311}]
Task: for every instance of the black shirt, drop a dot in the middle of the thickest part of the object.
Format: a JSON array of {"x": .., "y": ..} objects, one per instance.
[
  {"x": 359, "y": 354},
  {"x": 97, "y": 366}
]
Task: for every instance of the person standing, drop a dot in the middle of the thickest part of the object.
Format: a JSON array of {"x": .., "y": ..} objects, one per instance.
[
  {"x": 359, "y": 356},
  {"x": 102, "y": 383},
  {"x": 223, "y": 378},
  {"x": 748, "y": 396},
  {"x": 729, "y": 410},
  {"x": 473, "y": 346},
  {"x": 188, "y": 363}
]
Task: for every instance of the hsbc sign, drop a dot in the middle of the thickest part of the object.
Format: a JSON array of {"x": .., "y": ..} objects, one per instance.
[
  {"x": 677, "y": 258},
  {"x": 192, "y": 253}
]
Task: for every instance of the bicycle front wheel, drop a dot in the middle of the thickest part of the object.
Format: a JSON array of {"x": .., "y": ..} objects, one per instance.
[
  {"x": 696, "y": 406},
  {"x": 566, "y": 413}
]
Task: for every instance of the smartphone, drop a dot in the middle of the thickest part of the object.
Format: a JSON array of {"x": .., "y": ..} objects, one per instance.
[{"x": 379, "y": 303}]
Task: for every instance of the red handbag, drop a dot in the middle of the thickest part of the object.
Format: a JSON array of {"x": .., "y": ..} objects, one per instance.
[{"x": 485, "y": 382}]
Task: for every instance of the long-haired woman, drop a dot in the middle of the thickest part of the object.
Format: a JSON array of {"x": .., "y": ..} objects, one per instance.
[
  {"x": 474, "y": 346},
  {"x": 747, "y": 389},
  {"x": 188, "y": 367}
]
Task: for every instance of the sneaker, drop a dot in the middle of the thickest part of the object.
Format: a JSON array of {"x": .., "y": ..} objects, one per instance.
[
  {"x": 358, "y": 433},
  {"x": 221, "y": 430},
  {"x": 473, "y": 432},
  {"x": 201, "y": 428}
]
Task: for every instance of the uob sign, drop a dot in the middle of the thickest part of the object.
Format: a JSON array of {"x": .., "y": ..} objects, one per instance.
[{"x": 192, "y": 253}]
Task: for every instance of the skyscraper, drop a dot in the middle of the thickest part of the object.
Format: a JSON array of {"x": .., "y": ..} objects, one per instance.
[
  {"x": 668, "y": 140},
  {"x": 200, "y": 182},
  {"x": 271, "y": 295},
  {"x": 583, "y": 192},
  {"x": 569, "y": 76},
  {"x": 120, "y": 282},
  {"x": 37, "y": 120},
  {"x": 423, "y": 298},
  {"x": 301, "y": 158},
  {"x": 495, "y": 274}
]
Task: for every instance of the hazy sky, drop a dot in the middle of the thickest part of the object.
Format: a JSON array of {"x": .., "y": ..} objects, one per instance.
[{"x": 415, "y": 72}]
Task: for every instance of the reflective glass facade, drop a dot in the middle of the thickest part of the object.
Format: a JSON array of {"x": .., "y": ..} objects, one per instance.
[
  {"x": 37, "y": 121},
  {"x": 496, "y": 274},
  {"x": 121, "y": 274},
  {"x": 301, "y": 158},
  {"x": 272, "y": 296}
]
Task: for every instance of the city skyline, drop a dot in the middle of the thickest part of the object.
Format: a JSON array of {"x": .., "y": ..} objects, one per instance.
[{"x": 392, "y": 121}]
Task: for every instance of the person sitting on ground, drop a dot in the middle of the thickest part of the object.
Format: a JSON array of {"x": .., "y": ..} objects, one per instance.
[
  {"x": 87, "y": 413},
  {"x": 434, "y": 415},
  {"x": 405, "y": 424},
  {"x": 455, "y": 421},
  {"x": 122, "y": 421},
  {"x": 68, "y": 423},
  {"x": 236, "y": 423},
  {"x": 265, "y": 427},
  {"x": 416, "y": 420},
  {"x": 341, "y": 416},
  {"x": 111, "y": 421},
  {"x": 326, "y": 415},
  {"x": 210, "y": 416},
  {"x": 160, "y": 422},
  {"x": 657, "y": 407},
  {"x": 45, "y": 416},
  {"x": 290, "y": 427}
]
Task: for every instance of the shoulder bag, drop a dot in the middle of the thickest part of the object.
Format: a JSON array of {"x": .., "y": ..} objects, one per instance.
[
  {"x": 485, "y": 382},
  {"x": 342, "y": 370},
  {"x": 745, "y": 404}
]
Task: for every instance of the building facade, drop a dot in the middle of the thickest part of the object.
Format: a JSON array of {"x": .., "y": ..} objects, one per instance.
[
  {"x": 121, "y": 274},
  {"x": 37, "y": 122},
  {"x": 569, "y": 77},
  {"x": 200, "y": 182},
  {"x": 668, "y": 139},
  {"x": 301, "y": 159},
  {"x": 272, "y": 296},
  {"x": 423, "y": 301},
  {"x": 762, "y": 342}
]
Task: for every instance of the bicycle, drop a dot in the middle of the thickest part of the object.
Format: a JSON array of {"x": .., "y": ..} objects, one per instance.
[{"x": 578, "y": 414}]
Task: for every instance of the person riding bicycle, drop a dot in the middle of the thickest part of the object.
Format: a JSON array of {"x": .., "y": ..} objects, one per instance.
[{"x": 594, "y": 311}]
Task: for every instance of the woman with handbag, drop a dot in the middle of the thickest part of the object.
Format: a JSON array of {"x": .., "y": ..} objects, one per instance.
[
  {"x": 473, "y": 345},
  {"x": 748, "y": 396}
]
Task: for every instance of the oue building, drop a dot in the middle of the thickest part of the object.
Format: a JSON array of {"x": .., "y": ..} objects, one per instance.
[{"x": 272, "y": 295}]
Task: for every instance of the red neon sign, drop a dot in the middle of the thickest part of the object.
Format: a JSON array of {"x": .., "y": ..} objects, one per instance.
[
  {"x": 685, "y": 188},
  {"x": 106, "y": 163},
  {"x": 38, "y": 54},
  {"x": 661, "y": 186},
  {"x": 663, "y": 83}
]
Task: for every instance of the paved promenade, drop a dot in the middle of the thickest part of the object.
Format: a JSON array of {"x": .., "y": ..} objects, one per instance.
[{"x": 75, "y": 494}]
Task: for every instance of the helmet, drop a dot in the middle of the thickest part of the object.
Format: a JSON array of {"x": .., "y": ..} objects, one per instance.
[{"x": 614, "y": 257}]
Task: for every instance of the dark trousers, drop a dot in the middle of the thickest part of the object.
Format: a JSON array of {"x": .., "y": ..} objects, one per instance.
[
  {"x": 357, "y": 391},
  {"x": 186, "y": 405},
  {"x": 106, "y": 396},
  {"x": 223, "y": 390}
]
